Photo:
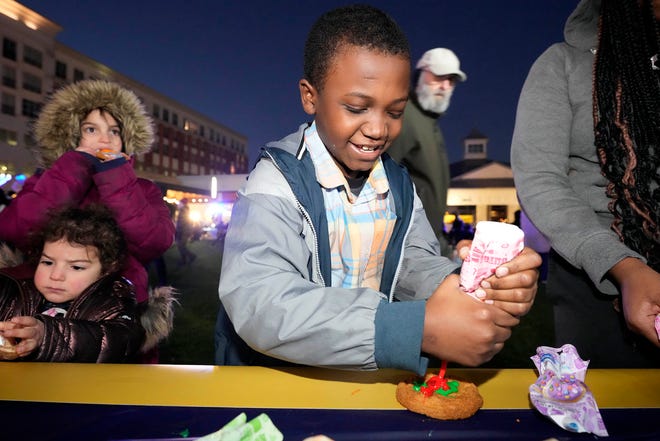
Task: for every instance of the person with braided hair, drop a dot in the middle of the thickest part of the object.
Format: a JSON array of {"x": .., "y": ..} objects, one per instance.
[{"x": 586, "y": 160}]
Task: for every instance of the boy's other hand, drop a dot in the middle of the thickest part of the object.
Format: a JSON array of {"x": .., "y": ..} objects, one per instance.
[
  {"x": 461, "y": 329},
  {"x": 513, "y": 286}
]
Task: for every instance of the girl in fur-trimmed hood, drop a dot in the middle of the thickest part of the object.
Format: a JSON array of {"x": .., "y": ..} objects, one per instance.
[
  {"x": 57, "y": 129},
  {"x": 87, "y": 135}
]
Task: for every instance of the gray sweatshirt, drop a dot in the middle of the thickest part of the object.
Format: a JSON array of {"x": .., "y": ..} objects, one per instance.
[{"x": 553, "y": 155}]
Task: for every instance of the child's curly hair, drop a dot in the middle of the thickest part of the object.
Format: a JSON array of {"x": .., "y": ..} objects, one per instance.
[
  {"x": 357, "y": 25},
  {"x": 93, "y": 225}
]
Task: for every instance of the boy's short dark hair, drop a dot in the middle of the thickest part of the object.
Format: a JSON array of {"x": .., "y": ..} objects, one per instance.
[
  {"x": 93, "y": 225},
  {"x": 356, "y": 25}
]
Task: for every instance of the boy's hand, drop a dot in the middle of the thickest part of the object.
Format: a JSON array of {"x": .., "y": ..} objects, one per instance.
[
  {"x": 29, "y": 330},
  {"x": 460, "y": 329},
  {"x": 514, "y": 284}
]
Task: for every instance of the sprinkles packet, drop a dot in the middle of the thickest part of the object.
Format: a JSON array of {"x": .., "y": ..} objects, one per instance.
[{"x": 560, "y": 392}]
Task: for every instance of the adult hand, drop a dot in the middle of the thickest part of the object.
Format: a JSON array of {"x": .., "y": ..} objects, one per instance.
[
  {"x": 461, "y": 329},
  {"x": 640, "y": 296},
  {"x": 29, "y": 330}
]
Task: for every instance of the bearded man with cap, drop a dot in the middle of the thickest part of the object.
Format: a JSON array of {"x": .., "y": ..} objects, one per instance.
[{"x": 420, "y": 146}]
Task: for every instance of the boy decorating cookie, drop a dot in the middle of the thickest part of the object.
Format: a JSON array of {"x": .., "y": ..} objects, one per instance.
[{"x": 329, "y": 259}]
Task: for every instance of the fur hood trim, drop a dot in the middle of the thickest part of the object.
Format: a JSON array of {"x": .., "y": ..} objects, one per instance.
[
  {"x": 9, "y": 257},
  {"x": 158, "y": 316},
  {"x": 57, "y": 129}
]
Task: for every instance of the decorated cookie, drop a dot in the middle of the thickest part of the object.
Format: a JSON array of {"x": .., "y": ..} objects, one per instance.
[{"x": 439, "y": 397}]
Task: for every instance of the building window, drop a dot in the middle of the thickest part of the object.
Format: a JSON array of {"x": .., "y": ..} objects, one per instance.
[
  {"x": 497, "y": 213},
  {"x": 175, "y": 119},
  {"x": 8, "y": 104},
  {"x": 8, "y": 137},
  {"x": 9, "y": 49},
  {"x": 30, "y": 108},
  {"x": 78, "y": 75},
  {"x": 32, "y": 56},
  {"x": 8, "y": 77},
  {"x": 28, "y": 141},
  {"x": 475, "y": 148},
  {"x": 467, "y": 213},
  {"x": 31, "y": 83},
  {"x": 166, "y": 115},
  {"x": 60, "y": 70},
  {"x": 155, "y": 111}
]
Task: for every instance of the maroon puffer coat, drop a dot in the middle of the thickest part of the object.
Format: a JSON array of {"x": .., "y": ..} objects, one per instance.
[{"x": 78, "y": 179}]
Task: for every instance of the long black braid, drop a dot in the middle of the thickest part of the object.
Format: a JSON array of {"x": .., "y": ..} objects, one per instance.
[{"x": 626, "y": 101}]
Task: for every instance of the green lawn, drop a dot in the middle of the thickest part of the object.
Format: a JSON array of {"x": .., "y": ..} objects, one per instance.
[
  {"x": 191, "y": 342},
  {"x": 535, "y": 329}
]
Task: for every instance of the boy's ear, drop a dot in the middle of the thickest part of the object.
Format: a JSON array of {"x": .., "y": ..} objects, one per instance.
[{"x": 307, "y": 96}]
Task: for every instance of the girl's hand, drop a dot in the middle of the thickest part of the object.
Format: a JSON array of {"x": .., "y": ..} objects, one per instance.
[
  {"x": 29, "y": 330},
  {"x": 102, "y": 154},
  {"x": 7, "y": 348},
  {"x": 87, "y": 149}
]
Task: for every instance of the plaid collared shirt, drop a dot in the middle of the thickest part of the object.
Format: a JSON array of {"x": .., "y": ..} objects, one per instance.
[{"x": 359, "y": 226}]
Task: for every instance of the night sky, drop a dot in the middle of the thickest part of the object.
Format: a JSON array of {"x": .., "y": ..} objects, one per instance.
[{"x": 239, "y": 62}]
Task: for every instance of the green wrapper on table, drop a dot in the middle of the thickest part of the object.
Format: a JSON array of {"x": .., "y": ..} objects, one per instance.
[{"x": 260, "y": 428}]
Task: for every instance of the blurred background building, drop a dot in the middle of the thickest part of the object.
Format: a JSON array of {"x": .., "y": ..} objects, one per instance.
[
  {"x": 480, "y": 188},
  {"x": 193, "y": 156},
  {"x": 33, "y": 64}
]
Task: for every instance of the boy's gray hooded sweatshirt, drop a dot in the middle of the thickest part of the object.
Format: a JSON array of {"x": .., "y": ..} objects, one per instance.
[
  {"x": 274, "y": 282},
  {"x": 553, "y": 155}
]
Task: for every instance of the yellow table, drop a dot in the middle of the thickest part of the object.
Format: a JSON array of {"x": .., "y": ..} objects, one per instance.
[
  {"x": 286, "y": 392},
  {"x": 184, "y": 385}
]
